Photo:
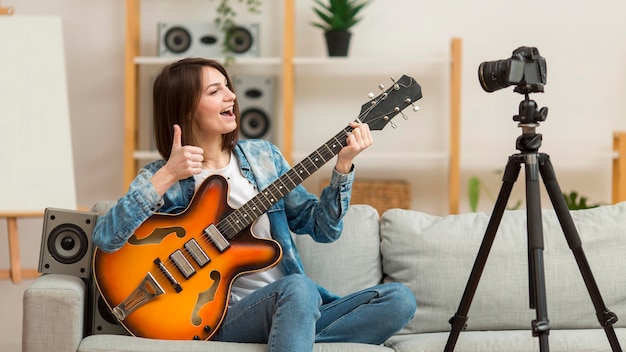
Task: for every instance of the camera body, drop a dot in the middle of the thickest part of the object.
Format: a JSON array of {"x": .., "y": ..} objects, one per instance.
[{"x": 526, "y": 69}]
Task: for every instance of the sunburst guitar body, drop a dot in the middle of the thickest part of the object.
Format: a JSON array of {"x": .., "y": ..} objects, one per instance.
[{"x": 171, "y": 281}]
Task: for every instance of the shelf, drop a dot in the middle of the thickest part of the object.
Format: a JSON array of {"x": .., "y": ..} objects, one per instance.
[
  {"x": 586, "y": 155},
  {"x": 321, "y": 60},
  {"x": 160, "y": 60},
  {"x": 146, "y": 155},
  {"x": 389, "y": 159}
]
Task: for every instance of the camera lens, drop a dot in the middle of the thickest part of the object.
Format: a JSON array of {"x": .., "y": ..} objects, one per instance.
[{"x": 494, "y": 75}]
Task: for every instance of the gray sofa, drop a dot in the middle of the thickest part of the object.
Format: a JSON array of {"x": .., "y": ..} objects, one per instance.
[{"x": 432, "y": 255}]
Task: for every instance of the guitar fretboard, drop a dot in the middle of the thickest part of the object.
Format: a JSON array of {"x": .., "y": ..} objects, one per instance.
[
  {"x": 240, "y": 218},
  {"x": 377, "y": 113}
]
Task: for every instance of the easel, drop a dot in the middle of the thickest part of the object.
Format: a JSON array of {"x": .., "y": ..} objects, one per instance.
[
  {"x": 6, "y": 10},
  {"x": 15, "y": 271}
]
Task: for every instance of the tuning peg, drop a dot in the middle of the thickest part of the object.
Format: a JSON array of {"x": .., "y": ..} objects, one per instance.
[
  {"x": 386, "y": 118},
  {"x": 381, "y": 87},
  {"x": 371, "y": 96},
  {"x": 398, "y": 110},
  {"x": 395, "y": 85},
  {"x": 408, "y": 101}
]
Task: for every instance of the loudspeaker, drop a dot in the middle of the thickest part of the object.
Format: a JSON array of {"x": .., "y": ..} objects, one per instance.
[
  {"x": 203, "y": 39},
  {"x": 255, "y": 95},
  {"x": 66, "y": 246},
  {"x": 100, "y": 317}
]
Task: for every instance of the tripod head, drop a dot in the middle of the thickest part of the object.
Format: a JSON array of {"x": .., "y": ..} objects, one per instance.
[{"x": 529, "y": 117}]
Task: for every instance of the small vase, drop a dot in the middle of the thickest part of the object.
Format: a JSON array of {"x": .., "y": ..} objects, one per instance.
[{"x": 337, "y": 42}]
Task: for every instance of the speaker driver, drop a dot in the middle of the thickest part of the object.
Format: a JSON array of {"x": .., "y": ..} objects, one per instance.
[
  {"x": 105, "y": 312},
  {"x": 177, "y": 40},
  {"x": 254, "y": 123},
  {"x": 68, "y": 243},
  {"x": 102, "y": 320},
  {"x": 240, "y": 40}
]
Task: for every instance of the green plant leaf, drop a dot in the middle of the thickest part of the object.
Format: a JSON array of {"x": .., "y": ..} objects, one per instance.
[
  {"x": 575, "y": 203},
  {"x": 338, "y": 14},
  {"x": 473, "y": 188}
]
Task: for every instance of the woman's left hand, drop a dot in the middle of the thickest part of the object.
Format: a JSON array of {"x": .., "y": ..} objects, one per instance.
[{"x": 358, "y": 140}]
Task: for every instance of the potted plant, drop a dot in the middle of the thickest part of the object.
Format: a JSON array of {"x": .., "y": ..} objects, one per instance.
[
  {"x": 337, "y": 17},
  {"x": 225, "y": 21}
]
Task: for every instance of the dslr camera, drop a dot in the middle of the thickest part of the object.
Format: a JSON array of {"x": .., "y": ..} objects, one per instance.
[{"x": 526, "y": 69}]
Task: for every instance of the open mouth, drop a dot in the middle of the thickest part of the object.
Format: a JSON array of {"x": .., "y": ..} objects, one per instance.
[{"x": 227, "y": 113}]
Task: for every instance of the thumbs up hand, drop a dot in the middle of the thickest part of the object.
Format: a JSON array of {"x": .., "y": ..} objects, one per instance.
[{"x": 184, "y": 161}]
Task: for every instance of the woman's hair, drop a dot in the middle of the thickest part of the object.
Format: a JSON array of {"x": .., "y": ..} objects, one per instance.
[{"x": 176, "y": 95}]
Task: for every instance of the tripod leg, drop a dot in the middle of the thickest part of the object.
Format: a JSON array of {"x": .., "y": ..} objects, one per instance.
[
  {"x": 605, "y": 316},
  {"x": 459, "y": 320},
  {"x": 540, "y": 326}
]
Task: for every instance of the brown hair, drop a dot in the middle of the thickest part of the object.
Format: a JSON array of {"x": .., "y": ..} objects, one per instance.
[{"x": 176, "y": 95}]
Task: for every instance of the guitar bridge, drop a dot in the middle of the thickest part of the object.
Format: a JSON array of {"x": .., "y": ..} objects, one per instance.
[{"x": 147, "y": 290}]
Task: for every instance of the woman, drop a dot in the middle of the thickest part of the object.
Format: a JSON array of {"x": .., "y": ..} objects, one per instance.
[{"x": 196, "y": 128}]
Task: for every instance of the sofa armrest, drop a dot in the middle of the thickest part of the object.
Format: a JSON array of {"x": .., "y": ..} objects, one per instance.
[{"x": 53, "y": 314}]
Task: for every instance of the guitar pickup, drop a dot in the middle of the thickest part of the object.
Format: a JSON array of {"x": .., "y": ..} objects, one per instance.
[
  {"x": 182, "y": 264},
  {"x": 216, "y": 237},
  {"x": 197, "y": 253}
]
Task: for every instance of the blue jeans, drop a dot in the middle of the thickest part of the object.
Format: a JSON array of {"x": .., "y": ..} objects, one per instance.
[{"x": 288, "y": 315}]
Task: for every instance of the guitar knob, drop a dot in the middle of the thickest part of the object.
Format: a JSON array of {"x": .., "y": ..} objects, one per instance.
[
  {"x": 196, "y": 337},
  {"x": 207, "y": 328}
]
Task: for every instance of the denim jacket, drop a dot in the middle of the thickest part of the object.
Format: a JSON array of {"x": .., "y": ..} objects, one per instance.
[{"x": 299, "y": 212}]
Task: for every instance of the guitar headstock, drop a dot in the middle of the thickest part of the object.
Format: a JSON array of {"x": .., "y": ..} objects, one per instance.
[{"x": 379, "y": 111}]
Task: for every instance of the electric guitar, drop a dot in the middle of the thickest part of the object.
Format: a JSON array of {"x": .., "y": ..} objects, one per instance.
[{"x": 172, "y": 279}]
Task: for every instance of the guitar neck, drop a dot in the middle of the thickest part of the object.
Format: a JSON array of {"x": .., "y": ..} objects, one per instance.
[
  {"x": 241, "y": 218},
  {"x": 377, "y": 113}
]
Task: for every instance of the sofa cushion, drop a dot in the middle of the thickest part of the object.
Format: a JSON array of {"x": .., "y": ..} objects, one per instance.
[
  {"x": 353, "y": 261},
  {"x": 576, "y": 340},
  {"x": 100, "y": 343},
  {"x": 434, "y": 256},
  {"x": 53, "y": 313}
]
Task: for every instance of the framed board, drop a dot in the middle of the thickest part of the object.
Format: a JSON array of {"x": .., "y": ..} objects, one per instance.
[{"x": 36, "y": 162}]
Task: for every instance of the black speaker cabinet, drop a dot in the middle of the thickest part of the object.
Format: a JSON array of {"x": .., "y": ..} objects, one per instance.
[
  {"x": 100, "y": 317},
  {"x": 203, "y": 39},
  {"x": 255, "y": 95},
  {"x": 66, "y": 246}
]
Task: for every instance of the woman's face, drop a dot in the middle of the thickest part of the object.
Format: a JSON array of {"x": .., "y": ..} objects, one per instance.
[{"x": 214, "y": 115}]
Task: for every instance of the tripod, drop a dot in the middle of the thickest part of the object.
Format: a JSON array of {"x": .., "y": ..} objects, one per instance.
[{"x": 535, "y": 164}]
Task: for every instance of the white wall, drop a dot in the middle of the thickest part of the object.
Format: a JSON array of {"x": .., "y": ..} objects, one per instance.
[{"x": 582, "y": 42}]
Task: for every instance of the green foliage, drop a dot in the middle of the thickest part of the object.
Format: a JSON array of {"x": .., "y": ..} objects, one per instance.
[
  {"x": 475, "y": 187},
  {"x": 338, "y": 15},
  {"x": 473, "y": 190},
  {"x": 225, "y": 21},
  {"x": 575, "y": 203}
]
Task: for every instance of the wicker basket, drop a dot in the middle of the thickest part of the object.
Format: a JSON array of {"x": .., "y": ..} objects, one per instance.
[{"x": 380, "y": 194}]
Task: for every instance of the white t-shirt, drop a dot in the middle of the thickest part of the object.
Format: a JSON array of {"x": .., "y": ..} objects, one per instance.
[{"x": 242, "y": 190}]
